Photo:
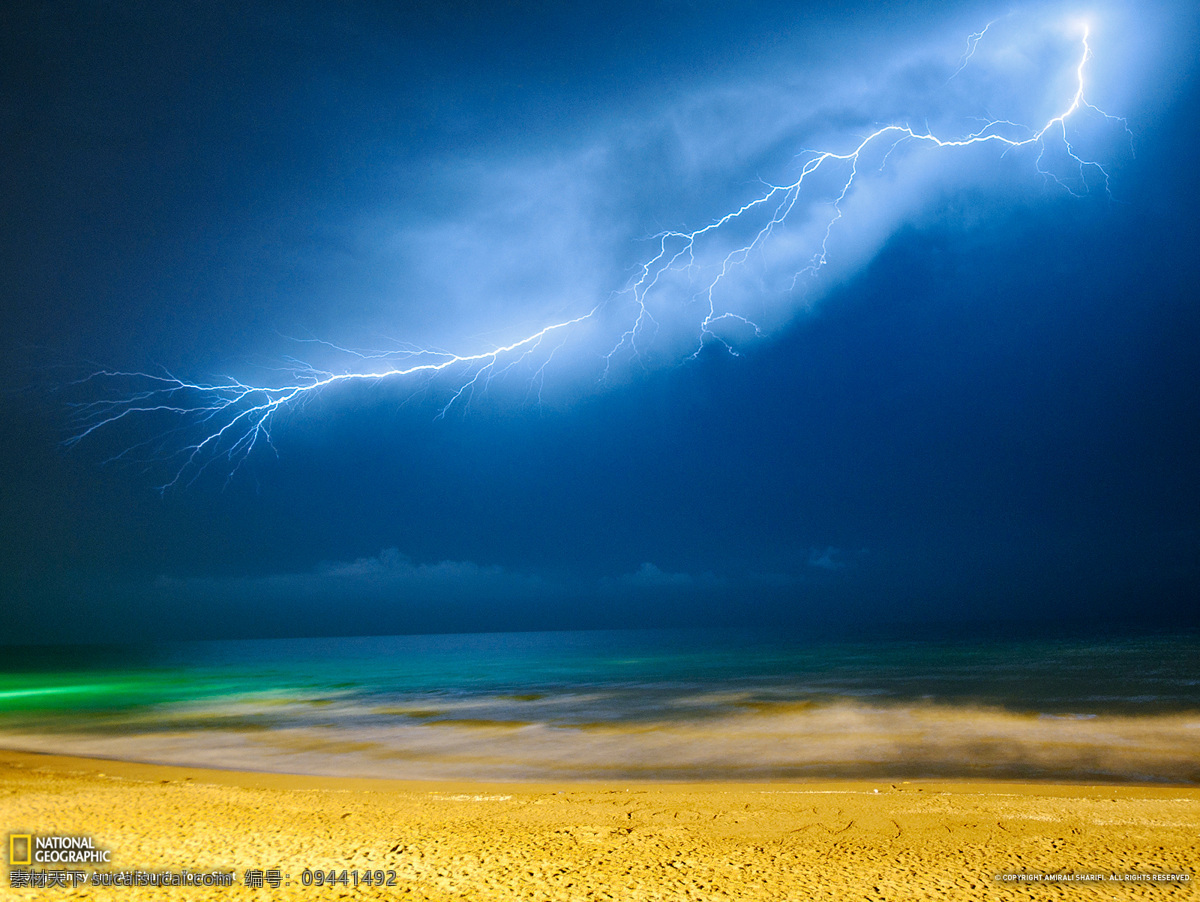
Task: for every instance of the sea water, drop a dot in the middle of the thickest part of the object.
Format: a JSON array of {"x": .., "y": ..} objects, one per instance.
[{"x": 664, "y": 705}]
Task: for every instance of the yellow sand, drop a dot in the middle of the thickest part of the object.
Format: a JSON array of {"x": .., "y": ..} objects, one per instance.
[{"x": 783, "y": 841}]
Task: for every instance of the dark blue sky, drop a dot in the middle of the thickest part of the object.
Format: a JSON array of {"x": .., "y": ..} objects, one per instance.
[{"x": 985, "y": 407}]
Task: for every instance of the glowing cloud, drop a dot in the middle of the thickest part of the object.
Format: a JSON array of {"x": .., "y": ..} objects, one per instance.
[{"x": 744, "y": 273}]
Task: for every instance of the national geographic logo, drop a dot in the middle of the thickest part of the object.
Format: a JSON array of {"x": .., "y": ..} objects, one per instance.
[{"x": 29, "y": 848}]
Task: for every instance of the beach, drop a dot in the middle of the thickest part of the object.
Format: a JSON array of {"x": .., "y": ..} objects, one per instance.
[
  {"x": 631, "y": 840},
  {"x": 590, "y": 765}
]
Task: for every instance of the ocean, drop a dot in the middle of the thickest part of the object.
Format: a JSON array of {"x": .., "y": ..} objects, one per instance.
[{"x": 598, "y": 705}]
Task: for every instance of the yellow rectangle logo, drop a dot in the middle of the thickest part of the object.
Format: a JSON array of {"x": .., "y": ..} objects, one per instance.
[{"x": 20, "y": 848}]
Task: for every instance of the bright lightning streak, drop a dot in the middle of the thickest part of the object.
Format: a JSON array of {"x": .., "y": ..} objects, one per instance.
[{"x": 198, "y": 425}]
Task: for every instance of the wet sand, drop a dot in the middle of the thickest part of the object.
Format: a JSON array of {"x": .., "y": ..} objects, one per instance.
[{"x": 881, "y": 840}]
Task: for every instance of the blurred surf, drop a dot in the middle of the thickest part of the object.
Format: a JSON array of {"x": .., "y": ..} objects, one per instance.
[{"x": 602, "y": 705}]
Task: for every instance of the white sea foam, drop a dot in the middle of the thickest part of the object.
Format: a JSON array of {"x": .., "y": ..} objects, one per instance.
[{"x": 839, "y": 739}]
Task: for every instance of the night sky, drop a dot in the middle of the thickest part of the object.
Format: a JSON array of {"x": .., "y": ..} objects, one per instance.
[{"x": 984, "y": 409}]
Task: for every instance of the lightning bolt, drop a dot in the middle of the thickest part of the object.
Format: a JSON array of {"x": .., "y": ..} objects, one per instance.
[{"x": 195, "y": 426}]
